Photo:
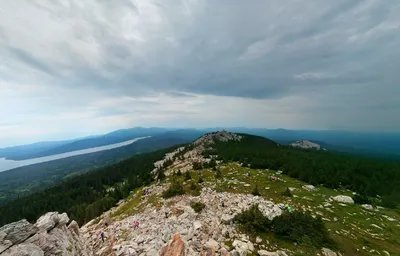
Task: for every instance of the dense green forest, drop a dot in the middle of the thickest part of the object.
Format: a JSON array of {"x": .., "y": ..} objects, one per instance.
[
  {"x": 28, "y": 179},
  {"x": 86, "y": 196},
  {"x": 368, "y": 177}
]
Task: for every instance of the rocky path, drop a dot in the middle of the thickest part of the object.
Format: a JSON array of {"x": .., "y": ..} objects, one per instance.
[{"x": 199, "y": 231}]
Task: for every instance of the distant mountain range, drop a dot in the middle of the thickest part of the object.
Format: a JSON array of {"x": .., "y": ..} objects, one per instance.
[{"x": 362, "y": 143}]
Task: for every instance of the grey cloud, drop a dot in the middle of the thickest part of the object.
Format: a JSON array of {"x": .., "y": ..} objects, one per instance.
[{"x": 257, "y": 49}]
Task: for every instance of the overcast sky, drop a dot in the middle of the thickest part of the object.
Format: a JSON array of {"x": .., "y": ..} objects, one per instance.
[{"x": 75, "y": 68}]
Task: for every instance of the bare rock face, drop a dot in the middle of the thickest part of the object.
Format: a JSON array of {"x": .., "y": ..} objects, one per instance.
[
  {"x": 175, "y": 247},
  {"x": 48, "y": 236}
]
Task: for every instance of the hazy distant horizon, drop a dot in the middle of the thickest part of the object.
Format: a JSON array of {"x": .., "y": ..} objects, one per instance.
[{"x": 83, "y": 136}]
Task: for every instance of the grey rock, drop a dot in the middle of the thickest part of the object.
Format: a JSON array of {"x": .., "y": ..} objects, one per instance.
[
  {"x": 212, "y": 244},
  {"x": 227, "y": 219},
  {"x": 328, "y": 252},
  {"x": 47, "y": 221},
  {"x": 16, "y": 232},
  {"x": 24, "y": 250},
  {"x": 343, "y": 199}
]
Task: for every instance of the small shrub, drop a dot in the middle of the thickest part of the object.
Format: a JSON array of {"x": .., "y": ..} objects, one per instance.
[
  {"x": 218, "y": 174},
  {"x": 302, "y": 228},
  {"x": 193, "y": 186},
  {"x": 287, "y": 193},
  {"x": 255, "y": 191},
  {"x": 297, "y": 227},
  {"x": 198, "y": 206},
  {"x": 161, "y": 174},
  {"x": 213, "y": 163},
  {"x": 252, "y": 220},
  {"x": 187, "y": 176},
  {"x": 174, "y": 190},
  {"x": 359, "y": 199},
  {"x": 200, "y": 180},
  {"x": 197, "y": 166}
]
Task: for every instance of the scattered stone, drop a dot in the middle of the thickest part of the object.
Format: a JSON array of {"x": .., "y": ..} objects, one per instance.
[
  {"x": 227, "y": 219},
  {"x": 367, "y": 207},
  {"x": 212, "y": 244},
  {"x": 386, "y": 253},
  {"x": 343, "y": 199},
  {"x": 376, "y": 226},
  {"x": 175, "y": 247},
  {"x": 258, "y": 240},
  {"x": 197, "y": 225},
  {"x": 328, "y": 252},
  {"x": 309, "y": 187}
]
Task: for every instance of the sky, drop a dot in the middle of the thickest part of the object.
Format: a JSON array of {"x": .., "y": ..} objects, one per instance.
[{"x": 76, "y": 68}]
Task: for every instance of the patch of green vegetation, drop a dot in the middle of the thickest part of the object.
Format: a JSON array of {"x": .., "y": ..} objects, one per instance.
[
  {"x": 287, "y": 193},
  {"x": 130, "y": 205},
  {"x": 255, "y": 191},
  {"x": 295, "y": 226},
  {"x": 174, "y": 189},
  {"x": 198, "y": 206}
]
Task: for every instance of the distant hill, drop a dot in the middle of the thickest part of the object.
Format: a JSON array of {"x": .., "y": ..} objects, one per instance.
[
  {"x": 42, "y": 149},
  {"x": 25, "y": 180}
]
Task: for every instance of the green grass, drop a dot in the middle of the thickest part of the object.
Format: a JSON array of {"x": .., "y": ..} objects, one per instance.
[
  {"x": 348, "y": 217},
  {"x": 349, "y": 231}
]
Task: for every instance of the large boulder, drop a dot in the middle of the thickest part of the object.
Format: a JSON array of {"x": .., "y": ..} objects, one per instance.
[
  {"x": 49, "y": 236},
  {"x": 15, "y": 233},
  {"x": 344, "y": 199},
  {"x": 47, "y": 221},
  {"x": 175, "y": 247}
]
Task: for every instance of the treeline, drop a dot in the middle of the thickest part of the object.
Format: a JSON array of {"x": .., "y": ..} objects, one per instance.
[
  {"x": 86, "y": 196},
  {"x": 366, "y": 176},
  {"x": 26, "y": 180}
]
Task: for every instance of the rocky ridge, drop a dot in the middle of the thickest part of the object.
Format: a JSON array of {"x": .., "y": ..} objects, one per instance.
[
  {"x": 193, "y": 153},
  {"x": 199, "y": 232}
]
